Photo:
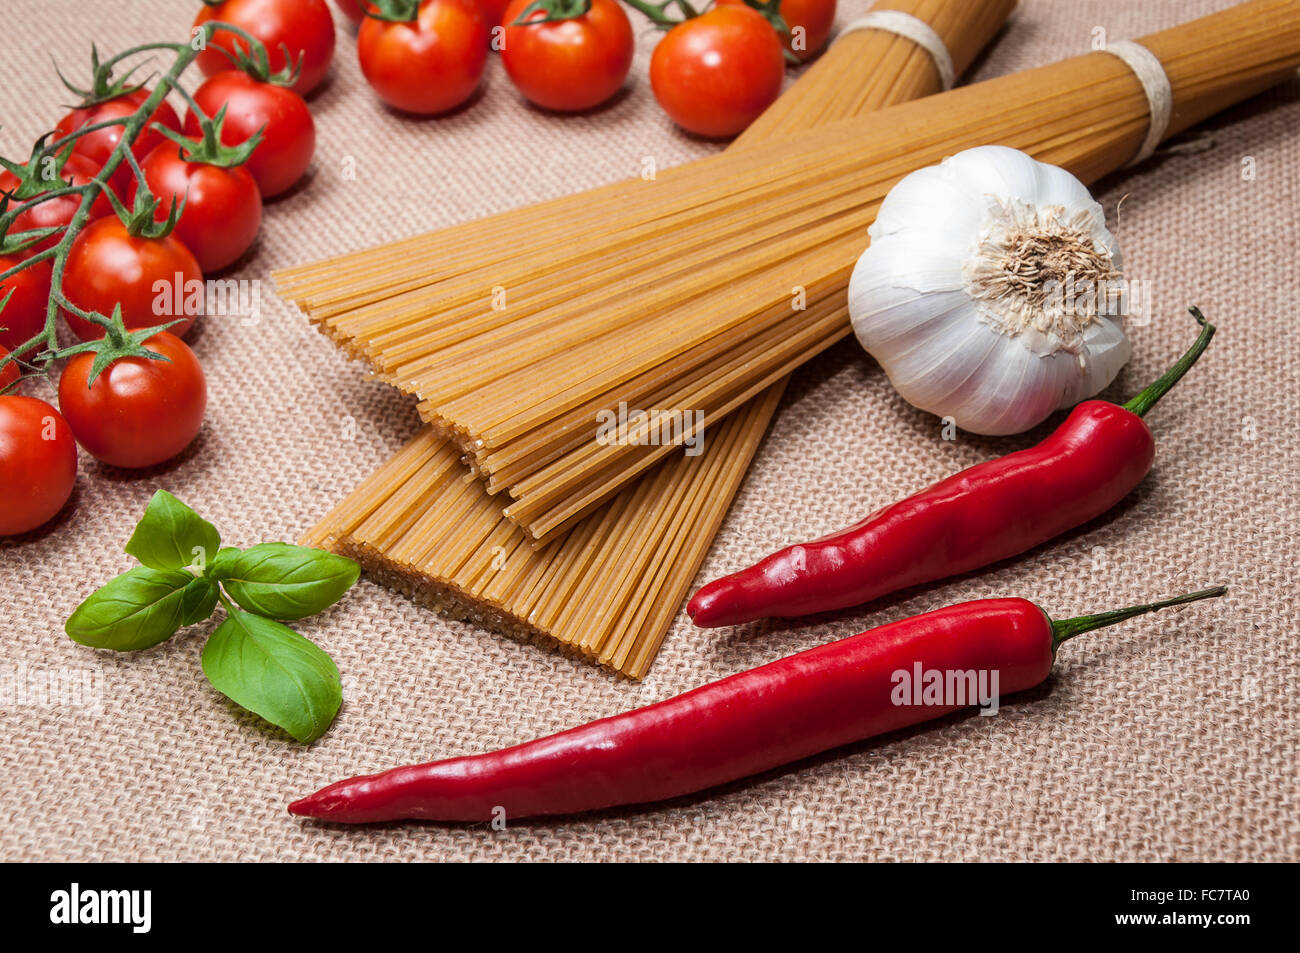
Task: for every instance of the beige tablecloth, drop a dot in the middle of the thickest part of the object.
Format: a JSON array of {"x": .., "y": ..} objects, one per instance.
[{"x": 1172, "y": 737}]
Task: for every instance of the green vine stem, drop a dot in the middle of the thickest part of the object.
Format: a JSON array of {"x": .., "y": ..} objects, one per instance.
[{"x": 43, "y": 348}]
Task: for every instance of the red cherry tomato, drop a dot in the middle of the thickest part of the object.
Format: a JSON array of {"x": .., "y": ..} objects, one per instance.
[
  {"x": 140, "y": 411},
  {"x": 430, "y": 65},
  {"x": 305, "y": 27},
  {"x": 289, "y": 136},
  {"x": 11, "y": 372},
  {"x": 56, "y": 213},
  {"x": 38, "y": 463},
  {"x": 24, "y": 316},
  {"x": 568, "y": 65},
  {"x": 97, "y": 146},
  {"x": 223, "y": 209},
  {"x": 494, "y": 12},
  {"x": 350, "y": 9},
  {"x": 154, "y": 279},
  {"x": 810, "y": 23},
  {"x": 715, "y": 73}
]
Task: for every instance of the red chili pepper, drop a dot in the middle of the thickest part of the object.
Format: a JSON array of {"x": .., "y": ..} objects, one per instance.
[
  {"x": 974, "y": 518},
  {"x": 743, "y": 725}
]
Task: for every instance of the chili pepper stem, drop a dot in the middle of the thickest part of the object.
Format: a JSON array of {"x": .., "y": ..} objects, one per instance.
[
  {"x": 1148, "y": 398},
  {"x": 1066, "y": 629}
]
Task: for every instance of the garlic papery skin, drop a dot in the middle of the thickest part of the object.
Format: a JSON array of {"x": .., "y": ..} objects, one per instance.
[{"x": 974, "y": 293}]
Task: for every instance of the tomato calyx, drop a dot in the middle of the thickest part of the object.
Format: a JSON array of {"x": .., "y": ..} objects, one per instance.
[
  {"x": 392, "y": 11},
  {"x": 141, "y": 219},
  {"x": 41, "y": 174},
  {"x": 657, "y": 13},
  {"x": 256, "y": 62},
  {"x": 555, "y": 10},
  {"x": 116, "y": 343},
  {"x": 771, "y": 10},
  {"x": 103, "y": 87},
  {"x": 209, "y": 149}
]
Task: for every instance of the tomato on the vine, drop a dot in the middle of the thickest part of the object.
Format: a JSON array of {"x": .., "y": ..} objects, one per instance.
[
  {"x": 77, "y": 171},
  {"x": 11, "y": 372},
  {"x": 223, "y": 209},
  {"x": 139, "y": 411},
  {"x": 810, "y": 23},
  {"x": 38, "y": 463},
  {"x": 289, "y": 132},
  {"x": 304, "y": 27},
  {"x": 568, "y": 65},
  {"x": 23, "y": 317},
  {"x": 151, "y": 278},
  {"x": 430, "y": 65},
  {"x": 715, "y": 73},
  {"x": 98, "y": 146}
]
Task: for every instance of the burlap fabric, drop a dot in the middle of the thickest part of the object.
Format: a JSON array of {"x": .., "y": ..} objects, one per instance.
[{"x": 1172, "y": 737}]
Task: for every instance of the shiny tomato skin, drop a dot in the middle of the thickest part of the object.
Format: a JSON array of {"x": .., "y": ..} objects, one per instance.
[
  {"x": 139, "y": 412},
  {"x": 494, "y": 12},
  {"x": 289, "y": 136},
  {"x": 815, "y": 16},
  {"x": 56, "y": 213},
  {"x": 24, "y": 316},
  {"x": 11, "y": 371},
  {"x": 107, "y": 266},
  {"x": 569, "y": 65},
  {"x": 98, "y": 146},
  {"x": 431, "y": 65},
  {"x": 716, "y": 73},
  {"x": 38, "y": 463},
  {"x": 223, "y": 208},
  {"x": 305, "y": 27}
]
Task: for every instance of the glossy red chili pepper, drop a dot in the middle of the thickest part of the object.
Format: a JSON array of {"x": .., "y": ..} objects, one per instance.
[
  {"x": 746, "y": 724},
  {"x": 974, "y": 518}
]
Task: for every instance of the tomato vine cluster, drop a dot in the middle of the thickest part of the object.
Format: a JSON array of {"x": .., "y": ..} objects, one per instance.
[
  {"x": 113, "y": 221},
  {"x": 713, "y": 73}
]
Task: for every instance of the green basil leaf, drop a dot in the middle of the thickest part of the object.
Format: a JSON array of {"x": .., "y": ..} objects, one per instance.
[
  {"x": 282, "y": 581},
  {"x": 274, "y": 672},
  {"x": 199, "y": 599},
  {"x": 138, "y": 609},
  {"x": 173, "y": 536}
]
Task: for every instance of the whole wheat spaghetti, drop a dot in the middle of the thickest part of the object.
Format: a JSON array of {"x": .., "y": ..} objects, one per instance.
[
  {"x": 613, "y": 584},
  {"x": 710, "y": 284}
]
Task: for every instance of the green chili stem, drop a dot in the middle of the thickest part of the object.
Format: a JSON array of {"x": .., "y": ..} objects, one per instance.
[
  {"x": 1148, "y": 398},
  {"x": 1065, "y": 629}
]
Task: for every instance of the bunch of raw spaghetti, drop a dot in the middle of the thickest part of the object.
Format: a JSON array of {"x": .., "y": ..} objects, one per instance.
[{"x": 678, "y": 294}]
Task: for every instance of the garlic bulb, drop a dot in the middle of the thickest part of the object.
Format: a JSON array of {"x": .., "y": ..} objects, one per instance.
[{"x": 991, "y": 292}]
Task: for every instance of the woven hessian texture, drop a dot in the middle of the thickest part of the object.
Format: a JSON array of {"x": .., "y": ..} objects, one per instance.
[{"x": 1169, "y": 738}]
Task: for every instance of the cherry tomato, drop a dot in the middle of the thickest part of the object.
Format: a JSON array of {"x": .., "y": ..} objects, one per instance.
[
  {"x": 350, "y": 9},
  {"x": 810, "y": 23},
  {"x": 430, "y": 65},
  {"x": 305, "y": 27},
  {"x": 289, "y": 137},
  {"x": 10, "y": 373},
  {"x": 56, "y": 213},
  {"x": 569, "y": 65},
  {"x": 154, "y": 279},
  {"x": 715, "y": 73},
  {"x": 494, "y": 12},
  {"x": 140, "y": 411},
  {"x": 223, "y": 209},
  {"x": 97, "y": 146},
  {"x": 38, "y": 463},
  {"x": 24, "y": 316}
]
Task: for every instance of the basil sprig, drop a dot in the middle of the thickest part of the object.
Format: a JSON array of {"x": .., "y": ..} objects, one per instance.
[{"x": 251, "y": 658}]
